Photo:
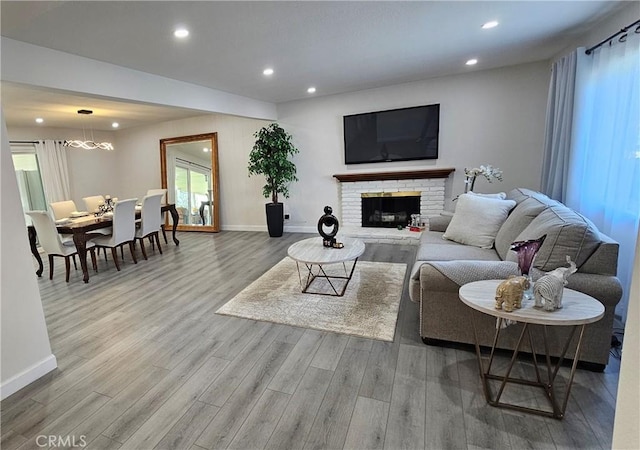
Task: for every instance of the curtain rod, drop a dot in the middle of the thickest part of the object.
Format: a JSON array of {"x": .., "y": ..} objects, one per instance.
[
  {"x": 624, "y": 30},
  {"x": 29, "y": 142}
]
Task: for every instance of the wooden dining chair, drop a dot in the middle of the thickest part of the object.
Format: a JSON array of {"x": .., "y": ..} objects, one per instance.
[
  {"x": 150, "y": 222},
  {"x": 63, "y": 209},
  {"x": 123, "y": 230},
  {"x": 54, "y": 244}
]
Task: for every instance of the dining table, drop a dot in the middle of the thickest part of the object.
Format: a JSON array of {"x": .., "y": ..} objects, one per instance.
[{"x": 83, "y": 229}]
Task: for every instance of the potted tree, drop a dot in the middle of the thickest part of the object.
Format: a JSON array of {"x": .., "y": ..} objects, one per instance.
[{"x": 270, "y": 157}]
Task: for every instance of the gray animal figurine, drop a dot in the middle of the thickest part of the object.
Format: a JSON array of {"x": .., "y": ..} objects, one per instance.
[
  {"x": 547, "y": 291},
  {"x": 509, "y": 293}
]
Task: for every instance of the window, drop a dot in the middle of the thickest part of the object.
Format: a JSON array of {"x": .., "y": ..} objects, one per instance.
[{"x": 27, "y": 170}]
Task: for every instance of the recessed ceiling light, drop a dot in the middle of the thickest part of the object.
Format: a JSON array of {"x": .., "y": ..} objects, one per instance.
[
  {"x": 311, "y": 90},
  {"x": 39, "y": 120},
  {"x": 268, "y": 71},
  {"x": 471, "y": 62},
  {"x": 491, "y": 24},
  {"x": 206, "y": 150},
  {"x": 115, "y": 124},
  {"x": 181, "y": 33}
]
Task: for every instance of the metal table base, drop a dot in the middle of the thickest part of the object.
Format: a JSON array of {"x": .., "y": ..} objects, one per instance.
[
  {"x": 310, "y": 277},
  {"x": 546, "y": 383}
]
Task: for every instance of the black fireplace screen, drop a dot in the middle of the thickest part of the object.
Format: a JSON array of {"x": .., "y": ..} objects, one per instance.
[{"x": 389, "y": 212}]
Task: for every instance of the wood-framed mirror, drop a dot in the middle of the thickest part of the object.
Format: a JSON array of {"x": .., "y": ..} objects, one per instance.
[{"x": 189, "y": 170}]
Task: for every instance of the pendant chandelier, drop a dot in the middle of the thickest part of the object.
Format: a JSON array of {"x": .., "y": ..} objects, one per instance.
[{"x": 87, "y": 144}]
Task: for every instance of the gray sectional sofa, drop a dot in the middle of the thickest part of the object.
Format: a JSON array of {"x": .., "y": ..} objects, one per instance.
[{"x": 442, "y": 266}]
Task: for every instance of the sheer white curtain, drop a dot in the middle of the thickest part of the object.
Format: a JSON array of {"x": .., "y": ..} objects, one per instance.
[
  {"x": 52, "y": 159},
  {"x": 557, "y": 136},
  {"x": 604, "y": 174}
]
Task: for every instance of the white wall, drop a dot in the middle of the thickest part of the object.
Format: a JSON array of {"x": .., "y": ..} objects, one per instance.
[
  {"x": 134, "y": 166},
  {"x": 91, "y": 172},
  {"x": 39, "y": 66},
  {"x": 25, "y": 350},
  {"x": 241, "y": 202},
  {"x": 486, "y": 117}
]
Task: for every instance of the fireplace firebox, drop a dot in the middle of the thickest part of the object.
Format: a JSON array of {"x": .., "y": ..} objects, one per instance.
[{"x": 389, "y": 209}]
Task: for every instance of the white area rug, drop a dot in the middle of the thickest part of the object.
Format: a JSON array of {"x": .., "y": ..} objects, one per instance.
[{"x": 369, "y": 307}]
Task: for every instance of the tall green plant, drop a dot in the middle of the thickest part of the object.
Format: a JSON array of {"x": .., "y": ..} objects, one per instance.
[{"x": 270, "y": 157}]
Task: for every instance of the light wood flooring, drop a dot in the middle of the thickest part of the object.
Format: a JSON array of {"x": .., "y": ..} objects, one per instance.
[{"x": 145, "y": 363}]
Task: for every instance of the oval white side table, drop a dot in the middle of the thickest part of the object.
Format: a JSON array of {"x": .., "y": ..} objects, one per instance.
[{"x": 578, "y": 311}]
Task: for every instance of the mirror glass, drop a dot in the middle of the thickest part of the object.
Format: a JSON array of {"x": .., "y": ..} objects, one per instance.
[{"x": 189, "y": 166}]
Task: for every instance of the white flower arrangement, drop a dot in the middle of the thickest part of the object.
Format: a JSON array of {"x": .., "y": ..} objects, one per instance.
[{"x": 488, "y": 171}]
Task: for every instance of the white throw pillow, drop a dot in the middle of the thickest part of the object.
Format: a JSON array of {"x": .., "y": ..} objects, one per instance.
[
  {"x": 500, "y": 195},
  {"x": 477, "y": 220}
]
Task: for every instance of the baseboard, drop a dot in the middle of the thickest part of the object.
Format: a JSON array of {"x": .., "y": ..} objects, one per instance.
[
  {"x": 28, "y": 376},
  {"x": 244, "y": 228},
  {"x": 300, "y": 229},
  {"x": 287, "y": 228}
]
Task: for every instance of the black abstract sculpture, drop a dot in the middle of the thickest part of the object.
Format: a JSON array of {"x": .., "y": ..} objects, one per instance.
[{"x": 330, "y": 221}]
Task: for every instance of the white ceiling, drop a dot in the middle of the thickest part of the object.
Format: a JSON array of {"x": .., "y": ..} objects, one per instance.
[
  {"x": 335, "y": 46},
  {"x": 22, "y": 104}
]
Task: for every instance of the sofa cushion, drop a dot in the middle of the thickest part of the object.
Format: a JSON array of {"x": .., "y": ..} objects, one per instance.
[
  {"x": 568, "y": 233},
  {"x": 477, "y": 220},
  {"x": 500, "y": 195},
  {"x": 440, "y": 223},
  {"x": 521, "y": 216},
  {"x": 452, "y": 252},
  {"x": 519, "y": 194}
]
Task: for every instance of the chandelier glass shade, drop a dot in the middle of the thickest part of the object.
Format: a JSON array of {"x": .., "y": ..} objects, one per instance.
[{"x": 87, "y": 144}]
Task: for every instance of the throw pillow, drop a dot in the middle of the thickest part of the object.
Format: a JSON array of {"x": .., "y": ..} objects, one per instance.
[
  {"x": 521, "y": 216},
  {"x": 568, "y": 234},
  {"x": 500, "y": 195},
  {"x": 477, "y": 220}
]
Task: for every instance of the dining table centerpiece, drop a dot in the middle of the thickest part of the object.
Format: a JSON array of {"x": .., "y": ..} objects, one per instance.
[{"x": 106, "y": 206}]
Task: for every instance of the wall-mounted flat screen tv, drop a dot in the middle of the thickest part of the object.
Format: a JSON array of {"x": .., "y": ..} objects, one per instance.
[{"x": 394, "y": 135}]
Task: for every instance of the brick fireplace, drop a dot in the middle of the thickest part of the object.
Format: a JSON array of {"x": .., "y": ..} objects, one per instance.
[{"x": 427, "y": 184}]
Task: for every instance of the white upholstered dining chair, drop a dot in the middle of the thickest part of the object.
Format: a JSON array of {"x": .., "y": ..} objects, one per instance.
[
  {"x": 55, "y": 244},
  {"x": 92, "y": 203},
  {"x": 123, "y": 230},
  {"x": 63, "y": 209},
  {"x": 163, "y": 201},
  {"x": 150, "y": 222}
]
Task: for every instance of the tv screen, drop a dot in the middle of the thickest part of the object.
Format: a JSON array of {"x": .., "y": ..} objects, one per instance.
[{"x": 394, "y": 135}]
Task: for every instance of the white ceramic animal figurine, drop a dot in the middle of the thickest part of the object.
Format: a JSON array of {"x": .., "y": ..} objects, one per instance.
[{"x": 547, "y": 291}]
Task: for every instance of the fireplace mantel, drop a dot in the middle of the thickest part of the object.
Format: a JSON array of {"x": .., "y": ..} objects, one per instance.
[{"x": 404, "y": 175}]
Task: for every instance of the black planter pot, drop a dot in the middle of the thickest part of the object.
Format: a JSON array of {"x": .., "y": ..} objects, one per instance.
[{"x": 275, "y": 218}]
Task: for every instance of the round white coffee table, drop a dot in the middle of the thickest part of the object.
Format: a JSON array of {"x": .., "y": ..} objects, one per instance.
[
  {"x": 314, "y": 256},
  {"x": 578, "y": 311}
]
